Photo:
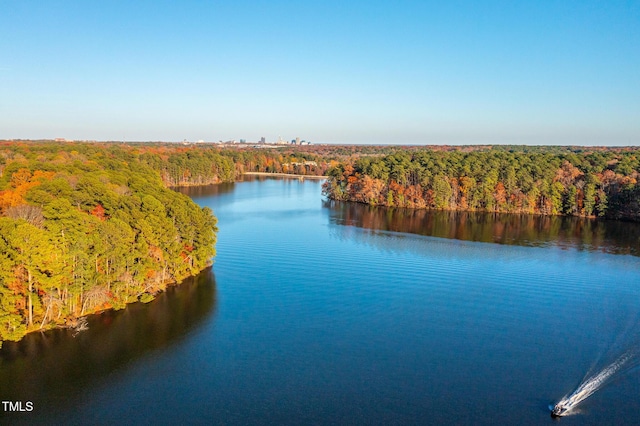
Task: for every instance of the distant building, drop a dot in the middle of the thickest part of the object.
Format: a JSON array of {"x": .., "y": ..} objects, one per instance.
[{"x": 263, "y": 140}]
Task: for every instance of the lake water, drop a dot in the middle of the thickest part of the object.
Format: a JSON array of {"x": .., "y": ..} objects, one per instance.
[{"x": 330, "y": 313}]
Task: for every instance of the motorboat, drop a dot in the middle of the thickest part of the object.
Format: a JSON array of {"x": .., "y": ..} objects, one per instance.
[{"x": 559, "y": 410}]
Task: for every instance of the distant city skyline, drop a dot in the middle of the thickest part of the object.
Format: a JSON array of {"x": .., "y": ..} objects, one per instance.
[{"x": 405, "y": 72}]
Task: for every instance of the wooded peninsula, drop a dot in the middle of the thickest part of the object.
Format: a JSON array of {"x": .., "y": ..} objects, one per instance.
[{"x": 86, "y": 227}]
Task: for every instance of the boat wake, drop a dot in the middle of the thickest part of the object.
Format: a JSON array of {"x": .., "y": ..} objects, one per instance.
[{"x": 566, "y": 406}]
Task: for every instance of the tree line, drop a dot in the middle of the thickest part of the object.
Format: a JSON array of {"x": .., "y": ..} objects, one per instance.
[{"x": 547, "y": 181}]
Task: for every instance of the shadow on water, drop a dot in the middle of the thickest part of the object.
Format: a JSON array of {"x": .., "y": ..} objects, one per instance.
[
  {"x": 225, "y": 188},
  {"x": 51, "y": 368},
  {"x": 206, "y": 190},
  {"x": 512, "y": 229}
]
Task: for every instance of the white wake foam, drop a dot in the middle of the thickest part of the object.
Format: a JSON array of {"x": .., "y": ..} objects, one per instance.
[{"x": 589, "y": 386}]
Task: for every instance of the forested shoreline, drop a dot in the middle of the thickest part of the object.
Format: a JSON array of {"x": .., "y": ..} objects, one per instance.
[
  {"x": 531, "y": 180},
  {"x": 86, "y": 227}
]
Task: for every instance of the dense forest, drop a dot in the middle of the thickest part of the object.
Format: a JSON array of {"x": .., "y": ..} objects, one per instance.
[
  {"x": 536, "y": 180},
  {"x": 87, "y": 227}
]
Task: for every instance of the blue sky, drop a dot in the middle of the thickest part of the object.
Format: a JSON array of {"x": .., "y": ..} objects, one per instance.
[{"x": 404, "y": 72}]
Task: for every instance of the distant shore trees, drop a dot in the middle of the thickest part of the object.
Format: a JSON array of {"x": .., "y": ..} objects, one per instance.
[{"x": 548, "y": 181}]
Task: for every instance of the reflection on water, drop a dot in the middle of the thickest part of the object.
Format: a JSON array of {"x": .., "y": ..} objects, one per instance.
[
  {"x": 512, "y": 229},
  {"x": 226, "y": 188},
  {"x": 50, "y": 368},
  {"x": 207, "y": 190}
]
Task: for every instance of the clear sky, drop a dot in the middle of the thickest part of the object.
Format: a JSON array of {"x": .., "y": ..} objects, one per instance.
[{"x": 410, "y": 72}]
